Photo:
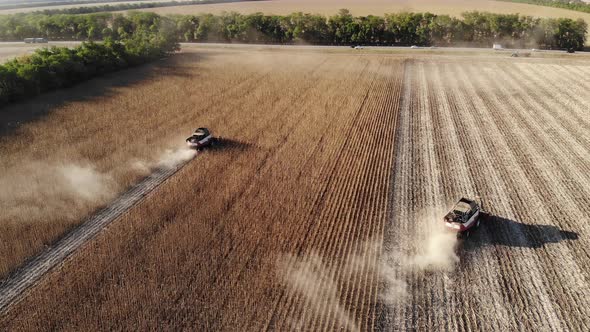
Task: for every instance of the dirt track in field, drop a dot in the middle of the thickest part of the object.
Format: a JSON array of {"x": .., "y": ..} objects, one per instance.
[
  {"x": 322, "y": 214},
  {"x": 13, "y": 288}
]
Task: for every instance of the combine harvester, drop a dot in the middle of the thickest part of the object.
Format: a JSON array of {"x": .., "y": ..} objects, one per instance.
[
  {"x": 465, "y": 216},
  {"x": 200, "y": 139}
]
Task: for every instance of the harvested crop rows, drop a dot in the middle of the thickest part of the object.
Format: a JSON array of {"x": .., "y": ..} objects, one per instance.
[
  {"x": 511, "y": 133},
  {"x": 321, "y": 208}
]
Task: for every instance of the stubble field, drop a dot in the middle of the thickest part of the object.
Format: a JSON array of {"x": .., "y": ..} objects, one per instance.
[
  {"x": 373, "y": 7},
  {"x": 42, "y": 7},
  {"x": 331, "y": 7},
  {"x": 321, "y": 209}
]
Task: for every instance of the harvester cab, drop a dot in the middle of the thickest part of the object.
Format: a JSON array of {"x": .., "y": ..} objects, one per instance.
[
  {"x": 200, "y": 139},
  {"x": 465, "y": 216}
]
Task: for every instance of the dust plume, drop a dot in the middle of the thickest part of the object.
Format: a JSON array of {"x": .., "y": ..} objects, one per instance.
[
  {"x": 172, "y": 158},
  {"x": 436, "y": 252},
  {"x": 38, "y": 191},
  {"x": 314, "y": 280},
  {"x": 395, "y": 288},
  {"x": 431, "y": 246},
  {"x": 41, "y": 191},
  {"x": 86, "y": 182},
  {"x": 311, "y": 279},
  {"x": 169, "y": 158},
  {"x": 433, "y": 249}
]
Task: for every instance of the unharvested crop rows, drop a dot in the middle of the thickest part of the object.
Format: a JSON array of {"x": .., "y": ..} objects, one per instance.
[
  {"x": 495, "y": 130},
  {"x": 351, "y": 217},
  {"x": 29, "y": 274},
  {"x": 133, "y": 125},
  {"x": 233, "y": 214}
]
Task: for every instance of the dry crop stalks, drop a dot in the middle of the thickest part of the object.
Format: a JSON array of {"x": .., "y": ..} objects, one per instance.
[
  {"x": 113, "y": 128},
  {"x": 109, "y": 133},
  {"x": 350, "y": 217},
  {"x": 254, "y": 203},
  {"x": 290, "y": 225}
]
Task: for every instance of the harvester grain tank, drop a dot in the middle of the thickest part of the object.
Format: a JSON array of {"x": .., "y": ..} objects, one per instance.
[
  {"x": 200, "y": 139},
  {"x": 465, "y": 216}
]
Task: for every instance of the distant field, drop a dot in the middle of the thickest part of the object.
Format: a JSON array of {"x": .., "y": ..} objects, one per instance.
[
  {"x": 374, "y": 7},
  {"x": 329, "y": 7},
  {"x": 32, "y": 9}
]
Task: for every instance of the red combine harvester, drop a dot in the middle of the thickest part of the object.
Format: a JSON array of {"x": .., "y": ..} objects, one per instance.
[
  {"x": 200, "y": 139},
  {"x": 465, "y": 216}
]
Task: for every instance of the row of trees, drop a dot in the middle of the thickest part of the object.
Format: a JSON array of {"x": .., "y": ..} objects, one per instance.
[
  {"x": 80, "y": 27},
  {"x": 577, "y": 5},
  {"x": 51, "y": 68},
  {"x": 474, "y": 28}
]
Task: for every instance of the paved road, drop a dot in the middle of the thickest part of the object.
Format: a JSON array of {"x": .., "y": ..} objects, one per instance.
[
  {"x": 10, "y": 50},
  {"x": 12, "y": 289}
]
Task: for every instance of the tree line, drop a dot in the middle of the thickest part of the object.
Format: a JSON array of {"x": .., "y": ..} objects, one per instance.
[
  {"x": 146, "y": 37},
  {"x": 577, "y": 5},
  {"x": 139, "y": 37},
  {"x": 425, "y": 29}
]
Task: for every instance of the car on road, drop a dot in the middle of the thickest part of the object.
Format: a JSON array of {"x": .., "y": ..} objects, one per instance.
[{"x": 35, "y": 40}]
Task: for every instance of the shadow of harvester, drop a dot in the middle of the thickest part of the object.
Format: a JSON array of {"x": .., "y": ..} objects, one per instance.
[
  {"x": 499, "y": 231},
  {"x": 225, "y": 144}
]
